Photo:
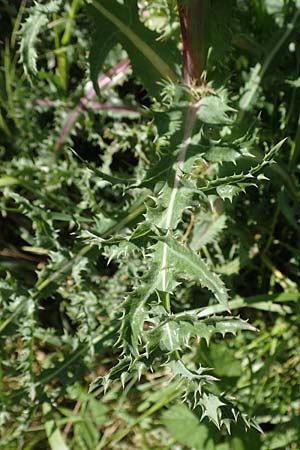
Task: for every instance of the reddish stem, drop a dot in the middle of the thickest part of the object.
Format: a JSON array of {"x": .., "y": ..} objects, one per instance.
[
  {"x": 192, "y": 22},
  {"x": 104, "y": 81}
]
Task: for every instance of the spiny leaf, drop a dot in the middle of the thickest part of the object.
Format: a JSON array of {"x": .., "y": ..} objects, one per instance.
[
  {"x": 123, "y": 366},
  {"x": 176, "y": 333},
  {"x": 169, "y": 126},
  {"x": 179, "y": 369},
  {"x": 168, "y": 337},
  {"x": 207, "y": 229},
  {"x": 242, "y": 180},
  {"x": 220, "y": 154},
  {"x": 135, "y": 313},
  {"x": 219, "y": 410},
  {"x": 38, "y": 17},
  {"x": 174, "y": 197},
  {"x": 191, "y": 382},
  {"x": 211, "y": 404},
  {"x": 229, "y": 191},
  {"x": 166, "y": 215},
  {"x": 185, "y": 261},
  {"x": 213, "y": 110}
]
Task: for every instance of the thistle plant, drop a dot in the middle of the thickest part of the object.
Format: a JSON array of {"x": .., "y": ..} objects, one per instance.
[
  {"x": 193, "y": 120},
  {"x": 140, "y": 211}
]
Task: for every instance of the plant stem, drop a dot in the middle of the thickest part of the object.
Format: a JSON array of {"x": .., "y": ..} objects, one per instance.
[
  {"x": 72, "y": 13},
  {"x": 17, "y": 24},
  {"x": 104, "y": 81},
  {"x": 295, "y": 150},
  {"x": 61, "y": 57},
  {"x": 192, "y": 22}
]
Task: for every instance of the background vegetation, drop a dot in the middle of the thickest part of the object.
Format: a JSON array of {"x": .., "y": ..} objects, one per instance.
[{"x": 83, "y": 216}]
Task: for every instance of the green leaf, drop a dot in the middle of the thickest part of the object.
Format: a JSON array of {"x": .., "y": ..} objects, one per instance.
[
  {"x": 294, "y": 83},
  {"x": 184, "y": 260},
  {"x": 242, "y": 180},
  {"x": 263, "y": 302},
  {"x": 180, "y": 370},
  {"x": 116, "y": 23},
  {"x": 186, "y": 428},
  {"x": 55, "y": 438},
  {"x": 229, "y": 190},
  {"x": 221, "y": 154},
  {"x": 213, "y": 110},
  {"x": 8, "y": 181},
  {"x": 176, "y": 333},
  {"x": 190, "y": 382},
  {"x": 220, "y": 18},
  {"x": 136, "y": 309},
  {"x": 39, "y": 16},
  {"x": 168, "y": 337},
  {"x": 274, "y": 7},
  {"x": 251, "y": 89},
  {"x": 207, "y": 229},
  {"x": 211, "y": 404},
  {"x": 135, "y": 313}
]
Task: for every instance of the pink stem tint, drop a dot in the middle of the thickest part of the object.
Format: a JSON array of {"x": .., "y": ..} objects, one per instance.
[
  {"x": 192, "y": 22},
  {"x": 103, "y": 82}
]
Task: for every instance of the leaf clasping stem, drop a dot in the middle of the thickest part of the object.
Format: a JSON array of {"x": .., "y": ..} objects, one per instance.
[{"x": 188, "y": 130}]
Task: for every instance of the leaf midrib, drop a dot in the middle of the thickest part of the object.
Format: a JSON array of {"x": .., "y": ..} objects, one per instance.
[{"x": 142, "y": 46}]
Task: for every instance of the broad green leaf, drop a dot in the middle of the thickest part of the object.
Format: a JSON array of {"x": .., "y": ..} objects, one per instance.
[
  {"x": 185, "y": 261},
  {"x": 219, "y": 18},
  {"x": 186, "y": 428},
  {"x": 117, "y": 23}
]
